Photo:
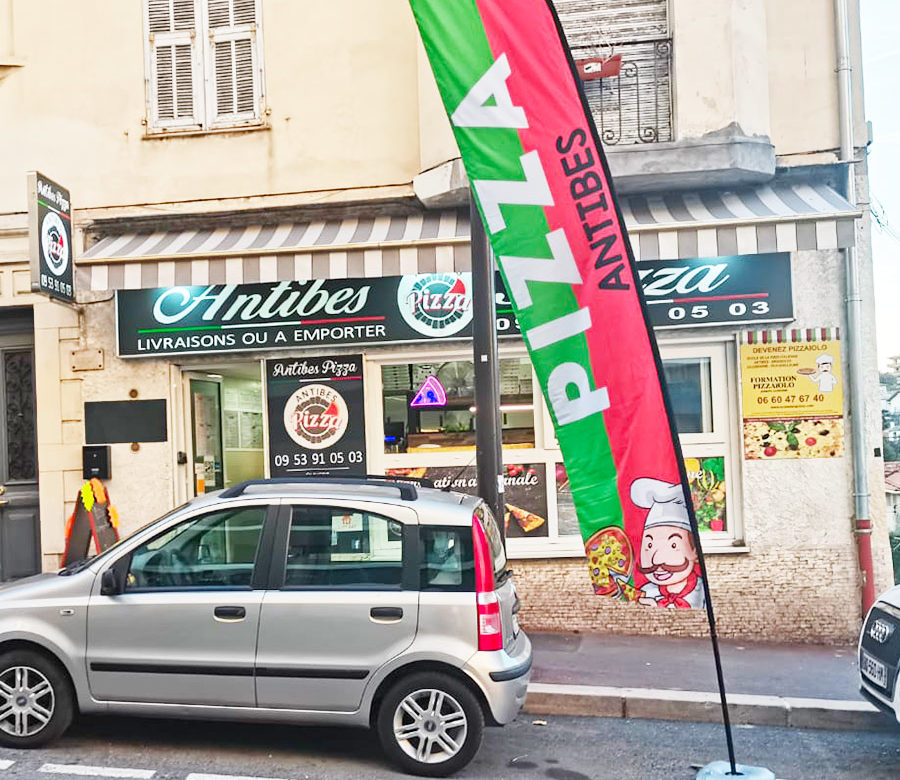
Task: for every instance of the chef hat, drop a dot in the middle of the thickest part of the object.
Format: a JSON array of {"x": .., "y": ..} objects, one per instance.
[
  {"x": 664, "y": 500},
  {"x": 826, "y": 358}
]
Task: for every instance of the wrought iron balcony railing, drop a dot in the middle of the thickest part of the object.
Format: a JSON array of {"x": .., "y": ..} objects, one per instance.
[{"x": 634, "y": 107}]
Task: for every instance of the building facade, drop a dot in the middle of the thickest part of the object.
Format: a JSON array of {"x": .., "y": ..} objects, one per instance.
[{"x": 265, "y": 190}]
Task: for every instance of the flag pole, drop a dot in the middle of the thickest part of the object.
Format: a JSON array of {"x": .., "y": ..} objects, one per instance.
[
  {"x": 488, "y": 447},
  {"x": 673, "y": 432},
  {"x": 701, "y": 558}
]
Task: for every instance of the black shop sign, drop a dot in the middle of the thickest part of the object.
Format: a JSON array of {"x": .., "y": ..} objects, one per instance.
[
  {"x": 718, "y": 290},
  {"x": 292, "y": 315},
  {"x": 50, "y": 238},
  {"x": 316, "y": 417},
  {"x": 424, "y": 307}
]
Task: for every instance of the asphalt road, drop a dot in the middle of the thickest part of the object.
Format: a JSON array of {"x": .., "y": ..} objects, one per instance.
[{"x": 563, "y": 749}]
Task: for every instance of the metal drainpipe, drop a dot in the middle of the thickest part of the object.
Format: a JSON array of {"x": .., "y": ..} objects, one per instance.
[{"x": 862, "y": 516}]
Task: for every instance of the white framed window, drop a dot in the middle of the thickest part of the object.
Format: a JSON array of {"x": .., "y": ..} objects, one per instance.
[
  {"x": 702, "y": 381},
  {"x": 438, "y": 442},
  {"x": 203, "y": 64}
]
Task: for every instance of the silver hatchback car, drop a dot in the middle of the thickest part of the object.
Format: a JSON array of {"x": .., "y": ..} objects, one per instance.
[{"x": 366, "y": 602}]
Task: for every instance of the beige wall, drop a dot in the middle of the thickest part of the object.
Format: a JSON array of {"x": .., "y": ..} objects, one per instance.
[
  {"x": 768, "y": 65},
  {"x": 436, "y": 142},
  {"x": 719, "y": 51},
  {"x": 342, "y": 116},
  {"x": 803, "y": 120}
]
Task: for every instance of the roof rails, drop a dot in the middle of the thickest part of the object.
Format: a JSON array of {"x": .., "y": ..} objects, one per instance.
[{"x": 405, "y": 485}]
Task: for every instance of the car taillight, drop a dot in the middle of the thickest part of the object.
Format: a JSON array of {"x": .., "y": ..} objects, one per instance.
[{"x": 490, "y": 629}]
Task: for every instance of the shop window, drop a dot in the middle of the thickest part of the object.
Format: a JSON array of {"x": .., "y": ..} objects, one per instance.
[
  {"x": 697, "y": 378},
  {"x": 331, "y": 547},
  {"x": 690, "y": 392},
  {"x": 203, "y": 64},
  {"x": 216, "y": 550},
  {"x": 539, "y": 513},
  {"x": 430, "y": 406}
]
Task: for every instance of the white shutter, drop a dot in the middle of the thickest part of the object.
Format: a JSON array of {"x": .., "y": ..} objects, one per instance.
[
  {"x": 598, "y": 22},
  {"x": 234, "y": 86},
  {"x": 174, "y": 64}
]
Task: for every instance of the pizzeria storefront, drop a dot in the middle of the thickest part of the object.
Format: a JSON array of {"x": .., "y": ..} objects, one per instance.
[{"x": 365, "y": 366}]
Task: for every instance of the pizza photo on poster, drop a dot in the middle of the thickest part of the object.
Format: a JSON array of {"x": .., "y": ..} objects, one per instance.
[
  {"x": 525, "y": 492},
  {"x": 316, "y": 417}
]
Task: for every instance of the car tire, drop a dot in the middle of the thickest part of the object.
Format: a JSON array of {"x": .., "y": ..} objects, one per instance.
[
  {"x": 430, "y": 724},
  {"x": 38, "y": 696}
]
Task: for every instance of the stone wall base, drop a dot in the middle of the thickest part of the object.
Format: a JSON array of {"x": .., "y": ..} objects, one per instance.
[{"x": 776, "y": 597}]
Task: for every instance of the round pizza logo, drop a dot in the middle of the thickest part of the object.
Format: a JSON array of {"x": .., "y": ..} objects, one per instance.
[
  {"x": 54, "y": 244},
  {"x": 436, "y": 304},
  {"x": 316, "y": 416}
]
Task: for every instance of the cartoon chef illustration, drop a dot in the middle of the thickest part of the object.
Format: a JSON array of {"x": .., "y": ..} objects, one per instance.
[
  {"x": 668, "y": 557},
  {"x": 823, "y": 375}
]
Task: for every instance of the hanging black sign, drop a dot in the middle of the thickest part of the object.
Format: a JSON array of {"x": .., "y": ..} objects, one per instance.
[
  {"x": 718, "y": 290},
  {"x": 50, "y": 238},
  {"x": 316, "y": 417}
]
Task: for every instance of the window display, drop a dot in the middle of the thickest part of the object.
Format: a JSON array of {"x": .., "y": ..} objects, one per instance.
[
  {"x": 430, "y": 406},
  {"x": 428, "y": 429},
  {"x": 525, "y": 493}
]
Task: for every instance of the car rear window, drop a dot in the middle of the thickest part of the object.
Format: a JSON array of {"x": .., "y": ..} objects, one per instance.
[{"x": 448, "y": 563}]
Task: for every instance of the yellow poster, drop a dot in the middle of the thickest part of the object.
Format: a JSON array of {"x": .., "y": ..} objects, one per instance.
[{"x": 792, "y": 394}]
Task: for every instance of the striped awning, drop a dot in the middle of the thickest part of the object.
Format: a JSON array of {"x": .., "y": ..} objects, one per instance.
[
  {"x": 706, "y": 223},
  {"x": 434, "y": 241},
  {"x": 718, "y": 223}
]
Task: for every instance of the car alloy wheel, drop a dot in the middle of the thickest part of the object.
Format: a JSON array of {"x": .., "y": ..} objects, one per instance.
[
  {"x": 430, "y": 723},
  {"x": 430, "y": 726},
  {"x": 27, "y": 701}
]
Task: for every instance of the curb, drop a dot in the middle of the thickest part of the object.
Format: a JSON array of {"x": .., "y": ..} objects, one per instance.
[{"x": 705, "y": 707}]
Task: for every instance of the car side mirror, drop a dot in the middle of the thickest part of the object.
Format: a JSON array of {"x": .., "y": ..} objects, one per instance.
[{"x": 109, "y": 583}]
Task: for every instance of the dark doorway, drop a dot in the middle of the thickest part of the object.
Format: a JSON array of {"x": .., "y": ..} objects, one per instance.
[{"x": 20, "y": 540}]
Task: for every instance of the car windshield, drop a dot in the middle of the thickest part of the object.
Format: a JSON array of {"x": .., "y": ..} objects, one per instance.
[{"x": 83, "y": 563}]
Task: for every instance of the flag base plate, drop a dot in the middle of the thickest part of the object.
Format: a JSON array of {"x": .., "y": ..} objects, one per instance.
[{"x": 721, "y": 770}]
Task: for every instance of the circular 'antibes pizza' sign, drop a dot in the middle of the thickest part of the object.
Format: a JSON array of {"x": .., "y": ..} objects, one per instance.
[
  {"x": 316, "y": 416},
  {"x": 436, "y": 304},
  {"x": 54, "y": 244}
]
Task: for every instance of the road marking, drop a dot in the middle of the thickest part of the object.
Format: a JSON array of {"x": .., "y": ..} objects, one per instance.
[
  {"x": 97, "y": 771},
  {"x": 200, "y": 776},
  {"x": 5, "y": 763}
]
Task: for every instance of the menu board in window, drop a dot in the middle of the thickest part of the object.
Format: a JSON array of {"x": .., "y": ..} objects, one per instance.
[{"x": 525, "y": 510}]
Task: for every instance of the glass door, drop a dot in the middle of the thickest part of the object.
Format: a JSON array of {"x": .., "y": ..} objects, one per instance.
[{"x": 206, "y": 434}]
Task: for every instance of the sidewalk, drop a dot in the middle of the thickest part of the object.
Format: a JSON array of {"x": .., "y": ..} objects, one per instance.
[{"x": 805, "y": 686}]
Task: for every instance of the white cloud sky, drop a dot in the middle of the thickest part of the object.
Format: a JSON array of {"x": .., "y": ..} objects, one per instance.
[{"x": 881, "y": 58}]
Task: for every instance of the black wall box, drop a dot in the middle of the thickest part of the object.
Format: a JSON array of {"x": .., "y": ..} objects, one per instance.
[
  {"x": 95, "y": 461},
  {"x": 116, "y": 422}
]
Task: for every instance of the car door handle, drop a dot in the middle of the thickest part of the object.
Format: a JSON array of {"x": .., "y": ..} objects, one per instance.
[
  {"x": 230, "y": 613},
  {"x": 386, "y": 613}
]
